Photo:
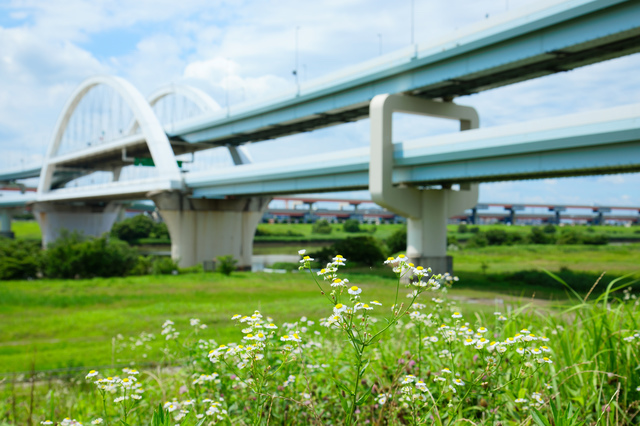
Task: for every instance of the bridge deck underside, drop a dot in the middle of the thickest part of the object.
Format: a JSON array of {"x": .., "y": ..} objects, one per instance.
[{"x": 456, "y": 68}]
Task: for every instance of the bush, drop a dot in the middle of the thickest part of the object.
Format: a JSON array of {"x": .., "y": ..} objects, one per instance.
[
  {"x": 361, "y": 250},
  {"x": 143, "y": 266},
  {"x": 226, "y": 264},
  {"x": 74, "y": 255},
  {"x": 569, "y": 236},
  {"x": 19, "y": 259},
  {"x": 478, "y": 240},
  {"x": 463, "y": 228},
  {"x": 538, "y": 236},
  {"x": 474, "y": 229},
  {"x": 351, "y": 226},
  {"x": 397, "y": 241},
  {"x": 496, "y": 237},
  {"x": 164, "y": 265},
  {"x": 137, "y": 227},
  {"x": 321, "y": 227},
  {"x": 549, "y": 229},
  {"x": 596, "y": 240}
]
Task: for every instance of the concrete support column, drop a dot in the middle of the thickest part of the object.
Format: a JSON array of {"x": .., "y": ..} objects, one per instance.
[
  {"x": 5, "y": 224},
  {"x": 474, "y": 216},
  {"x": 91, "y": 220},
  {"x": 427, "y": 211},
  {"x": 203, "y": 229}
]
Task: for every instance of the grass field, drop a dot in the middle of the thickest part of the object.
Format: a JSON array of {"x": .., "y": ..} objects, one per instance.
[
  {"x": 71, "y": 323},
  {"x": 62, "y": 324}
]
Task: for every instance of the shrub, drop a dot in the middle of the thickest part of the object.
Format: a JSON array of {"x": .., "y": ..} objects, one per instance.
[
  {"x": 478, "y": 240},
  {"x": 74, "y": 255},
  {"x": 363, "y": 250},
  {"x": 496, "y": 237},
  {"x": 462, "y": 228},
  {"x": 351, "y": 226},
  {"x": 143, "y": 266},
  {"x": 596, "y": 239},
  {"x": 19, "y": 259},
  {"x": 226, "y": 264},
  {"x": 321, "y": 227},
  {"x": 538, "y": 236},
  {"x": 137, "y": 227},
  {"x": 569, "y": 236},
  {"x": 164, "y": 265},
  {"x": 549, "y": 229},
  {"x": 397, "y": 242},
  {"x": 474, "y": 229}
]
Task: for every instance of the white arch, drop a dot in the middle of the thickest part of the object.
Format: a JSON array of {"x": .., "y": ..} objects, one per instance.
[
  {"x": 202, "y": 100},
  {"x": 154, "y": 134},
  {"x": 197, "y": 96}
]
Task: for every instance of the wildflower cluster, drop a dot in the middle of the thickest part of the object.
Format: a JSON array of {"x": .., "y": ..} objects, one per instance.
[{"x": 418, "y": 359}]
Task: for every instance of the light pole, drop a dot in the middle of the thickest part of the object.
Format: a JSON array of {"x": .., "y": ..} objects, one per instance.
[{"x": 295, "y": 71}]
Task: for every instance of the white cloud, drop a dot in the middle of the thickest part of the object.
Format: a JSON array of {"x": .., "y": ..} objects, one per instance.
[{"x": 614, "y": 179}]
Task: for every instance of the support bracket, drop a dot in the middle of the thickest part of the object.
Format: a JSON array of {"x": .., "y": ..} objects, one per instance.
[{"x": 403, "y": 201}]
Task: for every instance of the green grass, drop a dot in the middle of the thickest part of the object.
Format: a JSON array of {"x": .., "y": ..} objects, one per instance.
[
  {"x": 26, "y": 229},
  {"x": 618, "y": 259},
  {"x": 72, "y": 323}
]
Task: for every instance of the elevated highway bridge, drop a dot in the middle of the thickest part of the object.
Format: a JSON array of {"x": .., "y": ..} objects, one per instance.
[{"x": 215, "y": 211}]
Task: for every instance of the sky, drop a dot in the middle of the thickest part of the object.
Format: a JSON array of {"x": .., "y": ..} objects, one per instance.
[{"x": 245, "y": 50}]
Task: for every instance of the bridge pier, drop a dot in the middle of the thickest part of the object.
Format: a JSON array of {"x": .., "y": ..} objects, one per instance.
[
  {"x": 427, "y": 211},
  {"x": 91, "y": 220},
  {"x": 204, "y": 229},
  {"x": 427, "y": 231},
  {"x": 5, "y": 223}
]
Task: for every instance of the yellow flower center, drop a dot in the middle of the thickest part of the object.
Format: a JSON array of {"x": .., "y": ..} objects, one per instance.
[
  {"x": 354, "y": 288},
  {"x": 339, "y": 306}
]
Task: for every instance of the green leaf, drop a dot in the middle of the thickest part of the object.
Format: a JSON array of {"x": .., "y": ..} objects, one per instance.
[
  {"x": 342, "y": 387},
  {"x": 539, "y": 419},
  {"x": 364, "y": 367},
  {"x": 365, "y": 396}
]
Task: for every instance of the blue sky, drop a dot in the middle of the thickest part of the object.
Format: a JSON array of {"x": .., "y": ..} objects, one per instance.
[{"x": 47, "y": 47}]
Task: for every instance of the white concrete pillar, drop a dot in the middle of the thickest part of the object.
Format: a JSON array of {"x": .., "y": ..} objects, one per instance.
[
  {"x": 427, "y": 211},
  {"x": 204, "y": 229},
  {"x": 91, "y": 220},
  {"x": 5, "y": 224},
  {"x": 427, "y": 234}
]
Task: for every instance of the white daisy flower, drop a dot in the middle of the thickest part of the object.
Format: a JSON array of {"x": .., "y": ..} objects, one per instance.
[{"x": 354, "y": 290}]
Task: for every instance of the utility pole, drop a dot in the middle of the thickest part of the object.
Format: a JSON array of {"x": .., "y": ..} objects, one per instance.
[
  {"x": 412, "y": 21},
  {"x": 295, "y": 71}
]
